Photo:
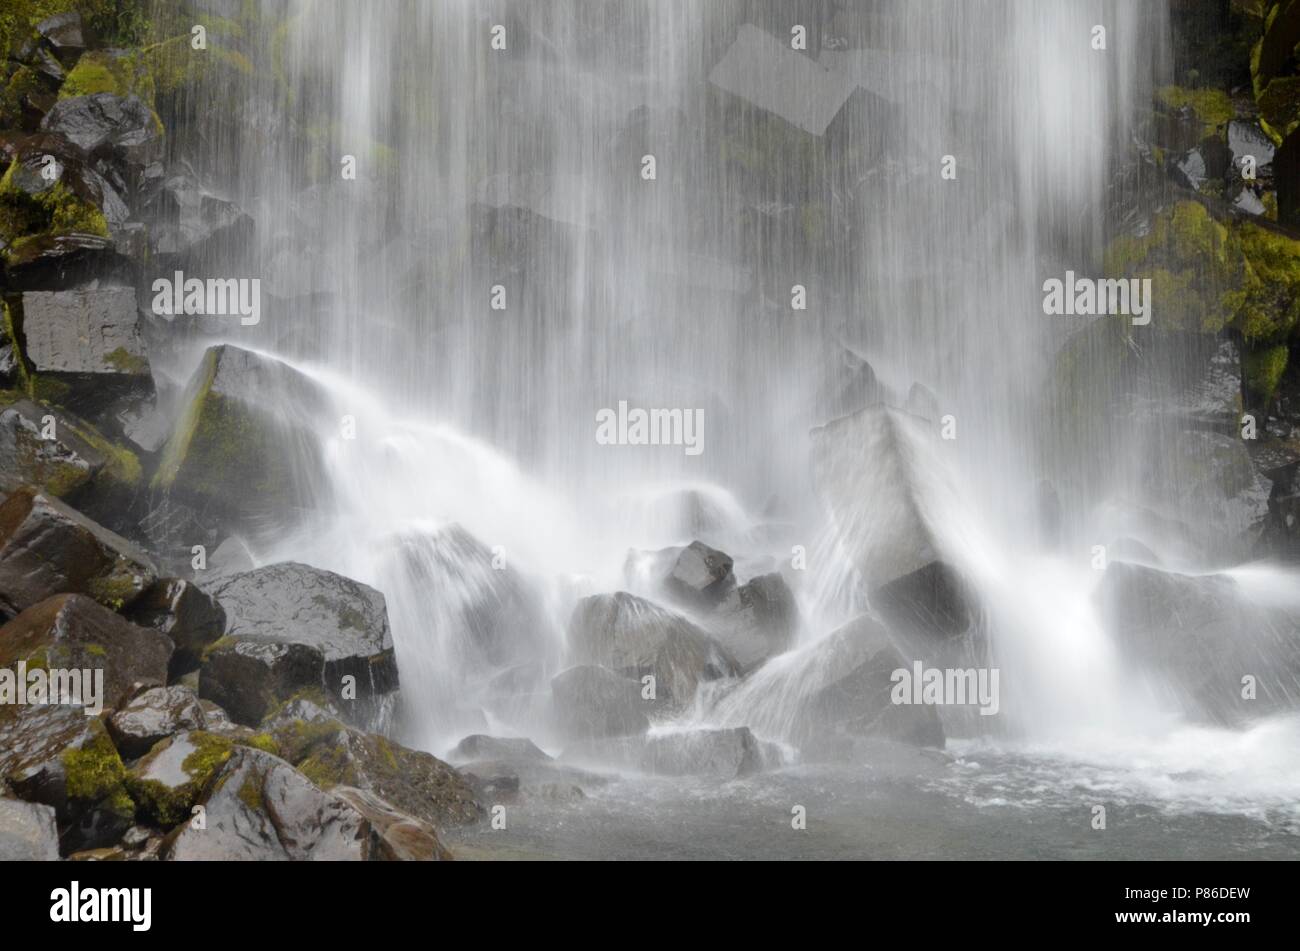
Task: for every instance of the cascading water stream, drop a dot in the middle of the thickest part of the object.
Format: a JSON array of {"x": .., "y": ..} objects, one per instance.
[{"x": 475, "y": 441}]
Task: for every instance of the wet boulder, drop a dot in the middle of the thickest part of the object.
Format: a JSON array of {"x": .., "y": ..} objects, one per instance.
[
  {"x": 637, "y": 638},
  {"x": 839, "y": 695},
  {"x": 171, "y": 777},
  {"x": 71, "y": 632},
  {"x": 725, "y": 754},
  {"x": 931, "y": 607},
  {"x": 59, "y": 465},
  {"x": 479, "y": 746},
  {"x": 495, "y": 614},
  {"x": 416, "y": 783},
  {"x": 720, "y": 754},
  {"x": 756, "y": 620},
  {"x": 47, "y": 548},
  {"x": 184, "y": 612},
  {"x": 153, "y": 715},
  {"x": 194, "y": 223},
  {"x": 1195, "y": 639},
  {"x": 596, "y": 702},
  {"x": 257, "y": 807},
  {"x": 243, "y": 445},
  {"x": 701, "y": 575},
  {"x": 86, "y": 343},
  {"x": 289, "y": 626},
  {"x": 27, "y": 832},
  {"x": 120, "y": 128},
  {"x": 396, "y": 837},
  {"x": 57, "y": 756}
]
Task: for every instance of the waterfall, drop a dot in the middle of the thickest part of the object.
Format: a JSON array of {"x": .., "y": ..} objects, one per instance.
[{"x": 517, "y": 177}]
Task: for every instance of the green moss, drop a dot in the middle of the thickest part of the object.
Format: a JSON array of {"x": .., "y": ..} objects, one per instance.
[
  {"x": 264, "y": 742},
  {"x": 1266, "y": 306},
  {"x": 298, "y": 739},
  {"x": 53, "y": 210},
  {"x": 121, "y": 467},
  {"x": 126, "y": 362},
  {"x": 95, "y": 774},
  {"x": 170, "y": 805},
  {"x": 1191, "y": 264},
  {"x": 1211, "y": 106},
  {"x": 102, "y": 71},
  {"x": 114, "y": 591},
  {"x": 23, "y": 82},
  {"x": 1263, "y": 371},
  {"x": 250, "y": 792}
]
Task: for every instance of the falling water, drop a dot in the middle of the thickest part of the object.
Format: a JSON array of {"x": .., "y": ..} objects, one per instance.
[{"x": 520, "y": 173}]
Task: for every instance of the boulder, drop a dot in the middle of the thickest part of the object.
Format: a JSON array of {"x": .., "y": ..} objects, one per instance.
[
  {"x": 928, "y": 606},
  {"x": 258, "y": 807},
  {"x": 478, "y": 746},
  {"x": 490, "y": 619},
  {"x": 288, "y": 626},
  {"x": 636, "y": 637},
  {"x": 47, "y": 548},
  {"x": 416, "y": 783},
  {"x": 721, "y": 754},
  {"x": 57, "y": 756},
  {"x": 153, "y": 715},
  {"x": 1194, "y": 638},
  {"x": 244, "y": 436},
  {"x": 171, "y": 778},
  {"x": 193, "y": 223},
  {"x": 853, "y": 701},
  {"x": 86, "y": 343},
  {"x": 397, "y": 836},
  {"x": 121, "y": 128},
  {"x": 60, "y": 465},
  {"x": 756, "y": 620},
  {"x": 71, "y": 632},
  {"x": 871, "y": 470},
  {"x": 249, "y": 678},
  {"x": 189, "y": 616},
  {"x": 596, "y": 702},
  {"x": 27, "y": 832},
  {"x": 701, "y": 575}
]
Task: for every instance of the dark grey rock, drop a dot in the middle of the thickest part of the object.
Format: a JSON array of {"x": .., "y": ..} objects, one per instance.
[{"x": 595, "y": 702}]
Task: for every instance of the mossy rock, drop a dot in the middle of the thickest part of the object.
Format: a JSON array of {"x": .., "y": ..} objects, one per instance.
[
  {"x": 1266, "y": 306},
  {"x": 244, "y": 435},
  {"x": 171, "y": 777},
  {"x": 1262, "y": 372},
  {"x": 122, "y": 74},
  {"x": 1212, "y": 107},
  {"x": 31, "y": 208}
]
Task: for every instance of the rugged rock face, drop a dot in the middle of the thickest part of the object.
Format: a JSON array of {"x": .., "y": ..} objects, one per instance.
[
  {"x": 47, "y": 548},
  {"x": 638, "y": 638},
  {"x": 1196, "y": 638},
  {"x": 71, "y": 632},
  {"x": 290, "y": 626}
]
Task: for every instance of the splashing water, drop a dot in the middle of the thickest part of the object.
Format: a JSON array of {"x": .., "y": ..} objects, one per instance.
[{"x": 475, "y": 445}]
